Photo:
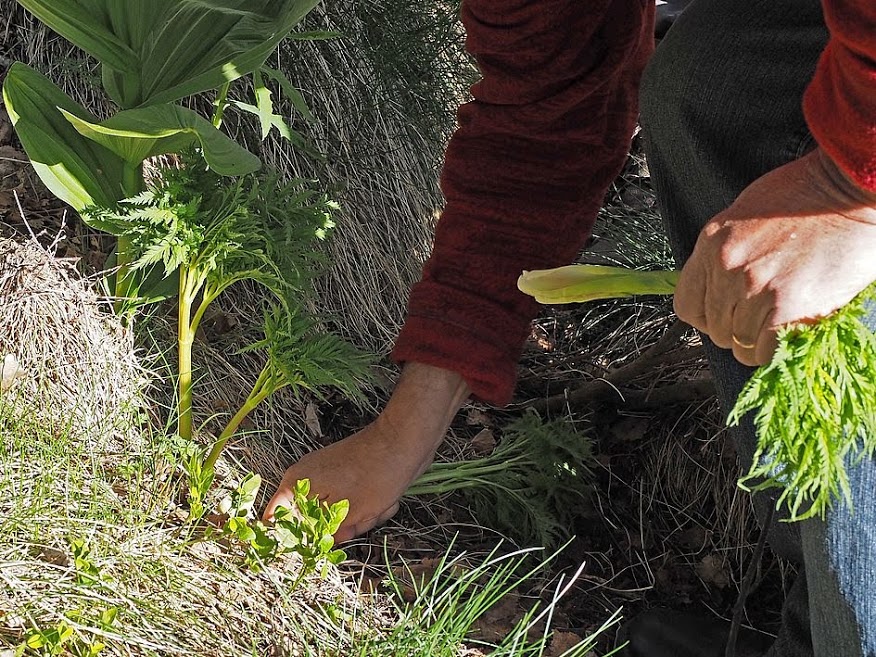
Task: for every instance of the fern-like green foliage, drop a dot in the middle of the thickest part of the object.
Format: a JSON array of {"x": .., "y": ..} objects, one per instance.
[
  {"x": 222, "y": 230},
  {"x": 531, "y": 487},
  {"x": 303, "y": 357},
  {"x": 815, "y": 410}
]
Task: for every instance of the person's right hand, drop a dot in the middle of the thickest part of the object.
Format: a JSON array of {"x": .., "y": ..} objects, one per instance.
[{"x": 374, "y": 467}]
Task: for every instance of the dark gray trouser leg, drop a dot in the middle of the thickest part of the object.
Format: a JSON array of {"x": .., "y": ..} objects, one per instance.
[{"x": 720, "y": 107}]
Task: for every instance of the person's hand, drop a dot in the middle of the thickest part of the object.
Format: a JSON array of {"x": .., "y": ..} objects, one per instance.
[
  {"x": 374, "y": 467},
  {"x": 798, "y": 243}
]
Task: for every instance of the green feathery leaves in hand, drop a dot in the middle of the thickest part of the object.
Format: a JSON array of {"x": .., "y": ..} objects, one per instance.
[{"x": 815, "y": 410}]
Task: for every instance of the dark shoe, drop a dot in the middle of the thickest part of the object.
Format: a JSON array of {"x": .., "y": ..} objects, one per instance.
[{"x": 667, "y": 633}]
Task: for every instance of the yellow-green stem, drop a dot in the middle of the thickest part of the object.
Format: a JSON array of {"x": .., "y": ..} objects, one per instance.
[
  {"x": 226, "y": 434},
  {"x": 186, "y": 339},
  {"x": 264, "y": 387},
  {"x": 206, "y": 299},
  {"x": 221, "y": 102}
]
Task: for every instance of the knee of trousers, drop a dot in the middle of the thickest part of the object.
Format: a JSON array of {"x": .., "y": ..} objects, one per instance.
[
  {"x": 722, "y": 94},
  {"x": 694, "y": 109}
]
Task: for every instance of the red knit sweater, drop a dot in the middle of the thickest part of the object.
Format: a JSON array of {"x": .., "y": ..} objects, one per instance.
[{"x": 535, "y": 151}]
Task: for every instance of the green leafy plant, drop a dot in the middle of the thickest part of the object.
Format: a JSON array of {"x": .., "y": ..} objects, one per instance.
[
  {"x": 200, "y": 479},
  {"x": 215, "y": 232},
  {"x": 63, "y": 639},
  {"x": 153, "y": 54},
  {"x": 307, "y": 529},
  {"x": 301, "y": 358},
  {"x": 814, "y": 404},
  {"x": 87, "y": 572},
  {"x": 49, "y": 641},
  {"x": 208, "y": 231},
  {"x": 531, "y": 486}
]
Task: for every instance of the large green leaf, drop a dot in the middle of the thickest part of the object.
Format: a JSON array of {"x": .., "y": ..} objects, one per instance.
[
  {"x": 77, "y": 170},
  {"x": 85, "y": 23},
  {"x": 137, "y": 134},
  {"x": 158, "y": 51}
]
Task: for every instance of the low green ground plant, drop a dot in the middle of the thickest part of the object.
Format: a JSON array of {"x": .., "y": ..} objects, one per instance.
[
  {"x": 531, "y": 487},
  {"x": 306, "y": 530}
]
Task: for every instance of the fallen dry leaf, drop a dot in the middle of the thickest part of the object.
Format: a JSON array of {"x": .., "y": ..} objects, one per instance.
[
  {"x": 311, "y": 420},
  {"x": 475, "y": 417},
  {"x": 561, "y": 642},
  {"x": 712, "y": 571},
  {"x": 483, "y": 443}
]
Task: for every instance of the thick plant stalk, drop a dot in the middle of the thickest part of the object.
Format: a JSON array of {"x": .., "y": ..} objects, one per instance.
[
  {"x": 577, "y": 283},
  {"x": 186, "y": 338}
]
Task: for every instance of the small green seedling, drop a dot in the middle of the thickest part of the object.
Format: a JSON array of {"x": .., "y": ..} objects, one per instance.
[
  {"x": 309, "y": 530},
  {"x": 814, "y": 404},
  {"x": 52, "y": 641},
  {"x": 63, "y": 639},
  {"x": 306, "y": 530},
  {"x": 200, "y": 480},
  {"x": 87, "y": 572}
]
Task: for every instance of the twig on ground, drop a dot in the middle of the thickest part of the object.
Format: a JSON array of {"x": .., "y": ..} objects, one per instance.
[{"x": 614, "y": 386}]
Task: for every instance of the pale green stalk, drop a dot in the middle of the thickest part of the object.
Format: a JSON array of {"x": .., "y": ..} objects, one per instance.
[
  {"x": 186, "y": 338},
  {"x": 267, "y": 384},
  {"x": 448, "y": 477},
  {"x": 221, "y": 104}
]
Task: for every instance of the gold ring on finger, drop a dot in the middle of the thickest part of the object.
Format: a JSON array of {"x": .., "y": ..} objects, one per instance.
[{"x": 743, "y": 343}]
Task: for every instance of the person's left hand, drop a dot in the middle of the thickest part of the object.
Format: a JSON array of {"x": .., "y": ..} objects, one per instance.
[{"x": 798, "y": 243}]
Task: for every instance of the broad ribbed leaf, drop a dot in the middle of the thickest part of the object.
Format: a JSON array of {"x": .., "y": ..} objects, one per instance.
[
  {"x": 576, "y": 283},
  {"x": 137, "y": 134},
  {"x": 77, "y": 170},
  {"x": 87, "y": 24},
  {"x": 158, "y": 51}
]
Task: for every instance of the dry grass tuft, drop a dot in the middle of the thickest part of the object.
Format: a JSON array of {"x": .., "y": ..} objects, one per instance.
[
  {"x": 77, "y": 370},
  {"x": 172, "y": 591}
]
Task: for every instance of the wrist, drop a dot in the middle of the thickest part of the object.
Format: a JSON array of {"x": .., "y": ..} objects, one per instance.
[
  {"x": 847, "y": 190},
  {"x": 423, "y": 404}
]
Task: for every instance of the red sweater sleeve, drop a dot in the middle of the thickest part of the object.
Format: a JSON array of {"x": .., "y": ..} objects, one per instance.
[
  {"x": 525, "y": 173},
  {"x": 840, "y": 103}
]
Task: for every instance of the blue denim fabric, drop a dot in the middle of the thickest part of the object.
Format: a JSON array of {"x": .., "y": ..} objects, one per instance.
[{"x": 721, "y": 105}]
